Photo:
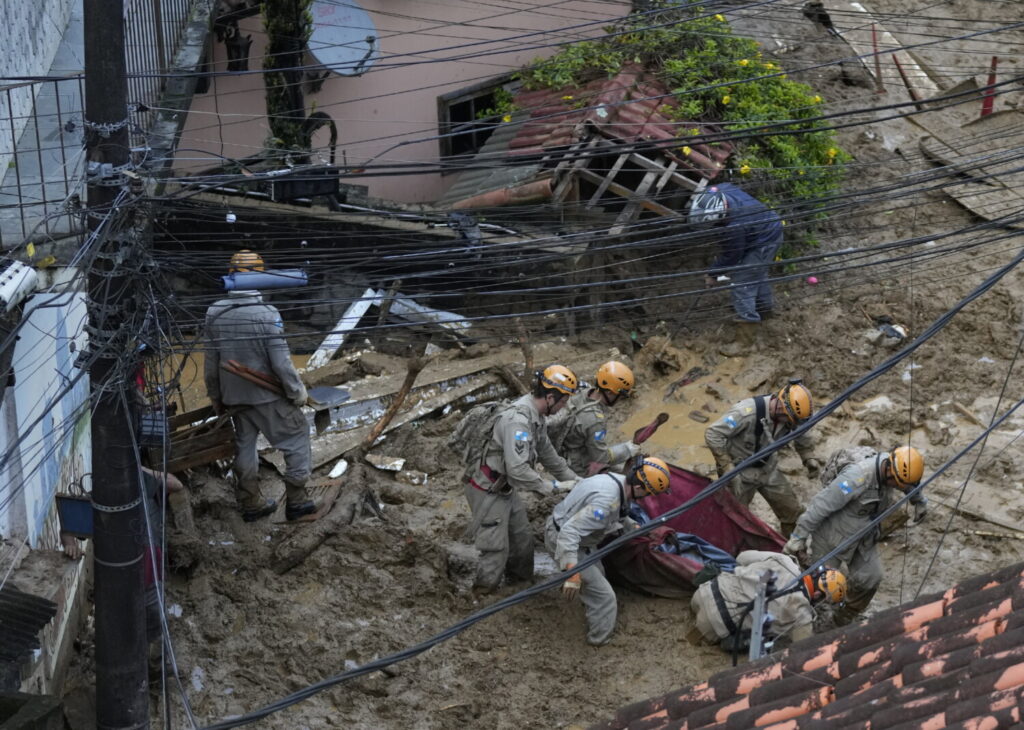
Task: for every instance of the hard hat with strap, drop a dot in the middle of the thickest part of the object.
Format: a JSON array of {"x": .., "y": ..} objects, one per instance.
[
  {"x": 615, "y": 377},
  {"x": 653, "y": 474},
  {"x": 246, "y": 260},
  {"x": 796, "y": 401},
  {"x": 559, "y": 378}
]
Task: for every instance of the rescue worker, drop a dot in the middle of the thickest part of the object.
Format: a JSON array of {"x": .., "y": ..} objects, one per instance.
[
  {"x": 723, "y": 605},
  {"x": 751, "y": 235},
  {"x": 580, "y": 431},
  {"x": 519, "y": 439},
  {"x": 749, "y": 426},
  {"x": 243, "y": 328},
  {"x": 851, "y": 501},
  {"x": 596, "y": 508}
]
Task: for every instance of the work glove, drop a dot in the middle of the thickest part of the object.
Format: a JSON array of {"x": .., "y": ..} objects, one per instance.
[
  {"x": 571, "y": 587},
  {"x": 920, "y": 511},
  {"x": 300, "y": 399},
  {"x": 558, "y": 487},
  {"x": 813, "y": 467},
  {"x": 795, "y": 546}
]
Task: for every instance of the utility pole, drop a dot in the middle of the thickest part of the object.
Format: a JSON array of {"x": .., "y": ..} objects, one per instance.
[{"x": 118, "y": 533}]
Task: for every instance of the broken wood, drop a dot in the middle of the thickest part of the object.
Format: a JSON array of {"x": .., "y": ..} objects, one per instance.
[
  {"x": 336, "y": 337},
  {"x": 299, "y": 545},
  {"x": 416, "y": 364},
  {"x": 963, "y": 411},
  {"x": 511, "y": 379},
  {"x": 1003, "y": 535}
]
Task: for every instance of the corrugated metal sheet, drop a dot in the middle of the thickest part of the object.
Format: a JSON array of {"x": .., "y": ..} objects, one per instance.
[{"x": 22, "y": 617}]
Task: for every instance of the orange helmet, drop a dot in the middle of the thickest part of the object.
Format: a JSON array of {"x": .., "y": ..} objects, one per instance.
[
  {"x": 907, "y": 466},
  {"x": 653, "y": 474},
  {"x": 245, "y": 260},
  {"x": 560, "y": 378},
  {"x": 830, "y": 582},
  {"x": 796, "y": 401},
  {"x": 616, "y": 377}
]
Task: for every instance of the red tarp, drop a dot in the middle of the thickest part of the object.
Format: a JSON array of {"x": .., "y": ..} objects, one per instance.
[{"x": 719, "y": 519}]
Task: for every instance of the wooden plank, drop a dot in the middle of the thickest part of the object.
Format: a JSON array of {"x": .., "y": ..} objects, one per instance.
[
  {"x": 578, "y": 163},
  {"x": 607, "y": 180},
  {"x": 336, "y": 337},
  {"x": 199, "y": 458},
  {"x": 677, "y": 178},
  {"x": 625, "y": 192},
  {"x": 666, "y": 176},
  {"x": 632, "y": 209}
]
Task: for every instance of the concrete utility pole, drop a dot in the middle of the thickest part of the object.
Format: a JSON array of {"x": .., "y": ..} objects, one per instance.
[{"x": 121, "y": 649}]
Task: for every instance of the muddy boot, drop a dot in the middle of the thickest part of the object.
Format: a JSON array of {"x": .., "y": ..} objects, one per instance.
[
  {"x": 254, "y": 505},
  {"x": 294, "y": 511},
  {"x": 251, "y": 514}
]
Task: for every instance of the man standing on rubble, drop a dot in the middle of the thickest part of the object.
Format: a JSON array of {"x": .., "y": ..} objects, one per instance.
[
  {"x": 753, "y": 424},
  {"x": 580, "y": 432},
  {"x": 723, "y": 605},
  {"x": 518, "y": 440},
  {"x": 751, "y": 235},
  {"x": 244, "y": 328},
  {"x": 848, "y": 506},
  {"x": 596, "y": 508}
]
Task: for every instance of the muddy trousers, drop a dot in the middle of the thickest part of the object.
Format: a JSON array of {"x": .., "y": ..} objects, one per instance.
[
  {"x": 286, "y": 429},
  {"x": 863, "y": 572},
  {"x": 751, "y": 290},
  {"x": 596, "y": 594},
  {"x": 777, "y": 492},
  {"x": 504, "y": 536}
]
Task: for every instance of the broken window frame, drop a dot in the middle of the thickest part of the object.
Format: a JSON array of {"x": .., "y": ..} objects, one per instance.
[{"x": 476, "y": 95}]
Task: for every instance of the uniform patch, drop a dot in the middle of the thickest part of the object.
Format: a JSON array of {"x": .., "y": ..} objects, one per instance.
[
  {"x": 599, "y": 435},
  {"x": 729, "y": 421},
  {"x": 598, "y": 513},
  {"x": 845, "y": 487},
  {"x": 279, "y": 324},
  {"x": 522, "y": 435}
]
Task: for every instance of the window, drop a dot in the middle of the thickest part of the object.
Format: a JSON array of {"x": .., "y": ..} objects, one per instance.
[{"x": 465, "y": 124}]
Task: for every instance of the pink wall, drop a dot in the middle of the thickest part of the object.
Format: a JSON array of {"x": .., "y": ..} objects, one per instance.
[{"x": 392, "y": 103}]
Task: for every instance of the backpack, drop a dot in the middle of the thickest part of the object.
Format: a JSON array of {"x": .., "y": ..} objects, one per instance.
[
  {"x": 469, "y": 439},
  {"x": 842, "y": 458}
]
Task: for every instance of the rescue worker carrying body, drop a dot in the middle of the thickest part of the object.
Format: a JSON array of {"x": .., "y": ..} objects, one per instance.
[
  {"x": 519, "y": 439},
  {"x": 751, "y": 235},
  {"x": 847, "y": 505},
  {"x": 723, "y": 604},
  {"x": 749, "y": 426},
  {"x": 579, "y": 432},
  {"x": 244, "y": 328},
  {"x": 596, "y": 508}
]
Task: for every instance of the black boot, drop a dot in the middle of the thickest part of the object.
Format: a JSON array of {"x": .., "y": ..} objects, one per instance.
[
  {"x": 255, "y": 513},
  {"x": 295, "y": 511}
]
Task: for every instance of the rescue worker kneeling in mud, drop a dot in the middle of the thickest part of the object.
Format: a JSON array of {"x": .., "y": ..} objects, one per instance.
[
  {"x": 597, "y": 508},
  {"x": 500, "y": 527},
  {"x": 753, "y": 424},
  {"x": 724, "y": 605},
  {"x": 579, "y": 432},
  {"x": 849, "y": 505}
]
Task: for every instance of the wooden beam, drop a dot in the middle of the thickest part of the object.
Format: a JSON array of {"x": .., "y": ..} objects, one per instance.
[
  {"x": 607, "y": 180},
  {"x": 632, "y": 209},
  {"x": 580, "y": 161},
  {"x": 625, "y": 192},
  {"x": 649, "y": 164}
]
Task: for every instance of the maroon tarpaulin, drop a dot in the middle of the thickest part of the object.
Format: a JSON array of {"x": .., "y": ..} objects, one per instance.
[{"x": 719, "y": 519}]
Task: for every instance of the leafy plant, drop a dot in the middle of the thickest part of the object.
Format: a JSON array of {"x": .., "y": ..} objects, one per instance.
[{"x": 716, "y": 77}]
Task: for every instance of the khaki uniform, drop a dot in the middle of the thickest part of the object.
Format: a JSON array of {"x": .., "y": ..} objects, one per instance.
[
  {"x": 732, "y": 438},
  {"x": 580, "y": 434},
  {"x": 504, "y": 537},
  {"x": 593, "y": 510},
  {"x": 847, "y": 505},
  {"x": 719, "y": 616},
  {"x": 244, "y": 328}
]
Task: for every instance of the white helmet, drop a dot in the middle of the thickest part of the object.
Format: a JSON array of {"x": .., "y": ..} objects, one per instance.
[{"x": 706, "y": 206}]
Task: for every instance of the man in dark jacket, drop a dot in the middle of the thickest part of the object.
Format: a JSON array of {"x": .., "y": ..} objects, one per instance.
[{"x": 751, "y": 234}]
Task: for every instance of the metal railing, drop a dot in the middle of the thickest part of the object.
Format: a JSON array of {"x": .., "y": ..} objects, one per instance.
[{"x": 42, "y": 160}]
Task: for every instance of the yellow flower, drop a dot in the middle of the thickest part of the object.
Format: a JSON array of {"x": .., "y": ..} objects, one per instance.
[
  {"x": 694, "y": 131},
  {"x": 832, "y": 152},
  {"x": 769, "y": 65},
  {"x": 567, "y": 97},
  {"x": 507, "y": 118},
  {"x": 801, "y": 172},
  {"x": 744, "y": 169},
  {"x": 816, "y": 99},
  {"x": 726, "y": 99},
  {"x": 685, "y": 150},
  {"x": 719, "y": 17},
  {"x": 743, "y": 62}
]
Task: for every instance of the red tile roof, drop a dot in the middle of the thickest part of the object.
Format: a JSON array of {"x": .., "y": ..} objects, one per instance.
[
  {"x": 947, "y": 660},
  {"x": 628, "y": 106}
]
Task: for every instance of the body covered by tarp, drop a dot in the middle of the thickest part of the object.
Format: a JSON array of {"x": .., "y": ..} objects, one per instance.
[{"x": 665, "y": 560}]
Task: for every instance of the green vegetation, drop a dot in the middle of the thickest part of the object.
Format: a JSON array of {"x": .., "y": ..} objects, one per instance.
[{"x": 718, "y": 78}]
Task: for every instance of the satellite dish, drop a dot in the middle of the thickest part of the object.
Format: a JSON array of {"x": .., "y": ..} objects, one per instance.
[{"x": 344, "y": 39}]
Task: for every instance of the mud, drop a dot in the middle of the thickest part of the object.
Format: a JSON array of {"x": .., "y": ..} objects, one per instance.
[{"x": 247, "y": 636}]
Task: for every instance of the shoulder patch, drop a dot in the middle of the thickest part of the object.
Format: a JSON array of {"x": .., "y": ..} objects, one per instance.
[
  {"x": 599, "y": 435},
  {"x": 599, "y": 513},
  {"x": 279, "y": 324},
  {"x": 522, "y": 435},
  {"x": 729, "y": 421},
  {"x": 845, "y": 487},
  {"x": 748, "y": 410}
]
